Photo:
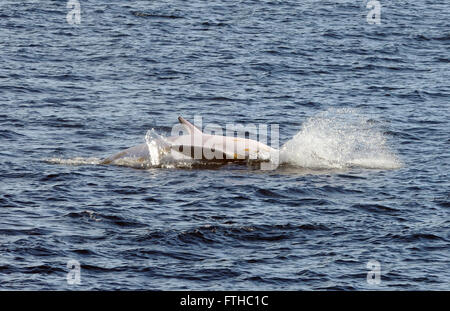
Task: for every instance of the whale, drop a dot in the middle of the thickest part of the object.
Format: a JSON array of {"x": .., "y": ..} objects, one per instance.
[{"x": 196, "y": 145}]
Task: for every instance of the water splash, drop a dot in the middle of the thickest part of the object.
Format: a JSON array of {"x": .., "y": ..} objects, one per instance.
[
  {"x": 161, "y": 154},
  {"x": 337, "y": 139},
  {"x": 155, "y": 146}
]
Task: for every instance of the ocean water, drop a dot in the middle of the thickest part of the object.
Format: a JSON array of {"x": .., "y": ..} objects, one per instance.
[{"x": 359, "y": 202}]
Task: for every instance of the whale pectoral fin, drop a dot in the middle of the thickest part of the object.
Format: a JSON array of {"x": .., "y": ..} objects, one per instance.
[{"x": 191, "y": 128}]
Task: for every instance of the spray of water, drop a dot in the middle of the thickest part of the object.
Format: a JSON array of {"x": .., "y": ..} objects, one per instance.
[
  {"x": 161, "y": 154},
  {"x": 155, "y": 146},
  {"x": 336, "y": 139}
]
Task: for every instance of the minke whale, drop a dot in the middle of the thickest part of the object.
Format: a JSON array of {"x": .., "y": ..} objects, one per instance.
[{"x": 196, "y": 145}]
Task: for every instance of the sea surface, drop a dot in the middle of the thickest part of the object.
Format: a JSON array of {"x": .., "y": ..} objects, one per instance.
[{"x": 360, "y": 200}]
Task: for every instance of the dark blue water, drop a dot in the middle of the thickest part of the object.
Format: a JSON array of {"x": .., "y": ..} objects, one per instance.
[{"x": 72, "y": 94}]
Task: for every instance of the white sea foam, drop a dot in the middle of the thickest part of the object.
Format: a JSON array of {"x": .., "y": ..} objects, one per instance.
[{"x": 74, "y": 161}]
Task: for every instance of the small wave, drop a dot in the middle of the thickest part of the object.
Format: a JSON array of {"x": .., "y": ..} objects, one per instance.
[
  {"x": 339, "y": 139},
  {"x": 73, "y": 161},
  {"x": 155, "y": 15}
]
